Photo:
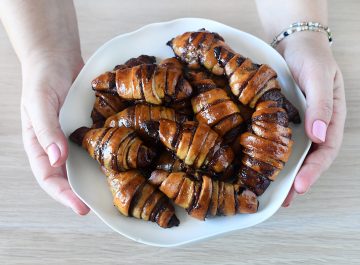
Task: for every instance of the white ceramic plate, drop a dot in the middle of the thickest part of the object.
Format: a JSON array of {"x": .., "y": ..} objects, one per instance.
[{"x": 89, "y": 183}]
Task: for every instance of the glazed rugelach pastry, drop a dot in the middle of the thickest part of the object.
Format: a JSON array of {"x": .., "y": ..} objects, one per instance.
[
  {"x": 212, "y": 105},
  {"x": 116, "y": 149},
  {"x": 266, "y": 148},
  {"x": 146, "y": 83},
  {"x": 204, "y": 198},
  {"x": 152, "y": 84},
  {"x": 105, "y": 106},
  {"x": 135, "y": 197},
  {"x": 144, "y": 119},
  {"x": 207, "y": 129},
  {"x": 197, "y": 145},
  {"x": 106, "y": 82},
  {"x": 249, "y": 82}
]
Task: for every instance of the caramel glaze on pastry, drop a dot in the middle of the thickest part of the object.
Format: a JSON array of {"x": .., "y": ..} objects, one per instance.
[
  {"x": 116, "y": 149},
  {"x": 212, "y": 105},
  {"x": 197, "y": 145},
  {"x": 106, "y": 82},
  {"x": 249, "y": 82},
  {"x": 144, "y": 119},
  {"x": 134, "y": 196},
  {"x": 149, "y": 83},
  {"x": 183, "y": 106},
  {"x": 204, "y": 198},
  {"x": 107, "y": 104},
  {"x": 266, "y": 148},
  {"x": 168, "y": 162}
]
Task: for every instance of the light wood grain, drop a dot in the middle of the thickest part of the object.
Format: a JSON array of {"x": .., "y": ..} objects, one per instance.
[{"x": 321, "y": 227}]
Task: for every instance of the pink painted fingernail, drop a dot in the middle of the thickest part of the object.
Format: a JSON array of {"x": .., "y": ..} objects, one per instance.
[
  {"x": 54, "y": 154},
  {"x": 319, "y": 130},
  {"x": 300, "y": 187}
]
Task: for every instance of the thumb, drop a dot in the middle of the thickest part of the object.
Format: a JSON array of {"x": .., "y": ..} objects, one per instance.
[
  {"x": 43, "y": 111},
  {"x": 319, "y": 98}
]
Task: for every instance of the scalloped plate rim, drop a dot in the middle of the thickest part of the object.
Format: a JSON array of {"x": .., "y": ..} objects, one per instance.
[{"x": 103, "y": 47}]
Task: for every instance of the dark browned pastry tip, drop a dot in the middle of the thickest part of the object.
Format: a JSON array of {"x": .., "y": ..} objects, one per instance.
[
  {"x": 104, "y": 83},
  {"x": 145, "y": 156},
  {"x": 254, "y": 181},
  {"x": 98, "y": 119},
  {"x": 169, "y": 43},
  {"x": 174, "y": 221},
  {"x": 283, "y": 102},
  {"x": 78, "y": 135},
  {"x": 142, "y": 59}
]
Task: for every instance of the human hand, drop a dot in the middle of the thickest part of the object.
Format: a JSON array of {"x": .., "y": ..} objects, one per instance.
[
  {"x": 46, "y": 81},
  {"x": 315, "y": 70}
]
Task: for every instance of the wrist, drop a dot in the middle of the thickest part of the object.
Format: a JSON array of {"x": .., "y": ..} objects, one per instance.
[
  {"x": 69, "y": 62},
  {"x": 50, "y": 73},
  {"x": 317, "y": 40}
]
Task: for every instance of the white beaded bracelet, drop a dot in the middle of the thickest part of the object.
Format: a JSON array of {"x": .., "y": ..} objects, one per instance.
[{"x": 302, "y": 26}]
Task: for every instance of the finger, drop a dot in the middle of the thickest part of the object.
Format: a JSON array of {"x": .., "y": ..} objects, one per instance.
[
  {"x": 42, "y": 110},
  {"x": 319, "y": 98},
  {"x": 324, "y": 154},
  {"x": 289, "y": 198},
  {"x": 311, "y": 170},
  {"x": 52, "y": 180}
]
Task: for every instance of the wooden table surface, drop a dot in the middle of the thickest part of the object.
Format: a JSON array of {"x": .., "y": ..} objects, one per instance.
[{"x": 320, "y": 227}]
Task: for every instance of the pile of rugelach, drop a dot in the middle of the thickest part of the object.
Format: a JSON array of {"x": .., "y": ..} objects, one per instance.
[{"x": 207, "y": 130}]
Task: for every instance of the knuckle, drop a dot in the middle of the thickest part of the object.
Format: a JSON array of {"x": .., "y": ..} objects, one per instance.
[
  {"x": 326, "y": 108},
  {"x": 46, "y": 183},
  {"x": 318, "y": 168},
  {"x": 44, "y": 133},
  {"x": 35, "y": 97},
  {"x": 333, "y": 151}
]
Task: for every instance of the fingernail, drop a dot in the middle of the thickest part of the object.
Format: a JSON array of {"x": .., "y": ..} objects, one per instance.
[
  {"x": 53, "y": 153},
  {"x": 319, "y": 130},
  {"x": 300, "y": 187}
]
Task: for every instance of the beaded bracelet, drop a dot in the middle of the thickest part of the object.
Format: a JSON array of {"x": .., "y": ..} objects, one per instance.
[{"x": 302, "y": 26}]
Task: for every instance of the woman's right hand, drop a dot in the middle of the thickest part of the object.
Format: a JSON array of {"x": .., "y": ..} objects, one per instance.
[{"x": 46, "y": 81}]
